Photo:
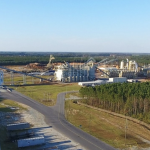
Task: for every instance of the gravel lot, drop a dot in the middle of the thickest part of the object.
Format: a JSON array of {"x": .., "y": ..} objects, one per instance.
[{"x": 54, "y": 140}]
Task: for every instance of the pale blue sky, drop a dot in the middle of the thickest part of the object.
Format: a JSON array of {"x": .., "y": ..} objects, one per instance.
[{"x": 75, "y": 25}]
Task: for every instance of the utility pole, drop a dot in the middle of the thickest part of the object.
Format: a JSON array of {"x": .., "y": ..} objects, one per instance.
[
  {"x": 12, "y": 78},
  {"x": 24, "y": 79},
  {"x": 126, "y": 127},
  {"x": 89, "y": 122}
]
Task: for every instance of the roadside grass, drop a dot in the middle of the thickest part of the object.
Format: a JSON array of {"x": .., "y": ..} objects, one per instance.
[
  {"x": 108, "y": 128},
  {"x": 18, "y": 79},
  {"x": 5, "y": 107},
  {"x": 46, "y": 94}
]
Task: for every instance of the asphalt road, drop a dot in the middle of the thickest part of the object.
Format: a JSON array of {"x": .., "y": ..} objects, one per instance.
[{"x": 55, "y": 117}]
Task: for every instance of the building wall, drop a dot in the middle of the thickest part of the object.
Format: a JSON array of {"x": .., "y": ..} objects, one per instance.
[{"x": 77, "y": 74}]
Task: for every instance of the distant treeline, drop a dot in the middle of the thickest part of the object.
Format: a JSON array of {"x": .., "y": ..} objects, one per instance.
[
  {"x": 61, "y": 54},
  {"x": 43, "y": 59},
  {"x": 141, "y": 59},
  {"x": 131, "y": 99},
  {"x": 24, "y": 58}
]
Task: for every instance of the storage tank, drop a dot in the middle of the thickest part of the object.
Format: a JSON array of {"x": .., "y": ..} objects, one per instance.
[
  {"x": 130, "y": 65},
  {"x": 122, "y": 65},
  {"x": 127, "y": 65}
]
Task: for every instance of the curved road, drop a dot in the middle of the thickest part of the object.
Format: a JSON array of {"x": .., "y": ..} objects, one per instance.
[{"x": 55, "y": 117}]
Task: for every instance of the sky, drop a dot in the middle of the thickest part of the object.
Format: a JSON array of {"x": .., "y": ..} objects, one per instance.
[{"x": 75, "y": 25}]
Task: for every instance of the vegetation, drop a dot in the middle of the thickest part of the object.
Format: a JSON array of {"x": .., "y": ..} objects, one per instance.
[
  {"x": 43, "y": 58},
  {"x": 5, "y": 106},
  {"x": 132, "y": 99},
  {"x": 46, "y": 94},
  {"x": 104, "y": 126},
  {"x": 141, "y": 59},
  {"x": 24, "y": 58},
  {"x": 18, "y": 79}
]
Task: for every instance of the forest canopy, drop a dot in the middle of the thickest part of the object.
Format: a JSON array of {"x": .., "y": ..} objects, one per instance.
[{"x": 131, "y": 99}]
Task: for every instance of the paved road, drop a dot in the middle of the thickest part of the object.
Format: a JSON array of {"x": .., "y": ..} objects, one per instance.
[{"x": 55, "y": 117}]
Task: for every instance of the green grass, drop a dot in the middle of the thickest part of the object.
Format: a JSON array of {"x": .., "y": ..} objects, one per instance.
[
  {"x": 105, "y": 127},
  {"x": 18, "y": 80},
  {"x": 46, "y": 94},
  {"x": 9, "y": 103}
]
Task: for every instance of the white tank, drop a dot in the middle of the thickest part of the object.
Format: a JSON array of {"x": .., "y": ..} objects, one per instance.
[
  {"x": 136, "y": 67},
  {"x": 122, "y": 65},
  {"x": 130, "y": 65},
  {"x": 127, "y": 65}
]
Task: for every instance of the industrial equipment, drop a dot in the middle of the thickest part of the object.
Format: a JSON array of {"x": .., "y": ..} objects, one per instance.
[{"x": 49, "y": 65}]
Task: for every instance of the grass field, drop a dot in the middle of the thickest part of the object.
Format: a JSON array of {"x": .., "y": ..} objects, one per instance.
[
  {"x": 17, "y": 79},
  {"x": 46, "y": 94},
  {"x": 9, "y": 103},
  {"x": 5, "y": 107},
  {"x": 108, "y": 128}
]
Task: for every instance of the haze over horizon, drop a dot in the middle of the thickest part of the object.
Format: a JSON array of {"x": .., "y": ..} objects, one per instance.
[{"x": 75, "y": 26}]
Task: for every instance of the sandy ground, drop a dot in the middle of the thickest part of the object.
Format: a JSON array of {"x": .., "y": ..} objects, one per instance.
[{"x": 53, "y": 138}]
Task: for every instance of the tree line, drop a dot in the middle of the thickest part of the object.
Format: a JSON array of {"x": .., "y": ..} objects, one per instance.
[
  {"x": 26, "y": 59},
  {"x": 142, "y": 59},
  {"x": 131, "y": 99}
]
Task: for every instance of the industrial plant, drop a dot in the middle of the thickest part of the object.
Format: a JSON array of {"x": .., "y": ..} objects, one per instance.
[
  {"x": 81, "y": 72},
  {"x": 106, "y": 68}
]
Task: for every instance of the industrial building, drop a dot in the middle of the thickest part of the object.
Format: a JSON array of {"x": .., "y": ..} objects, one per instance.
[
  {"x": 100, "y": 82},
  {"x": 92, "y": 83},
  {"x": 86, "y": 72},
  {"x": 126, "y": 68},
  {"x": 118, "y": 80},
  {"x": 78, "y": 73}
]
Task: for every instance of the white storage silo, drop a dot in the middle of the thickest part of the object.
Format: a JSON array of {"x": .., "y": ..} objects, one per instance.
[{"x": 122, "y": 65}]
